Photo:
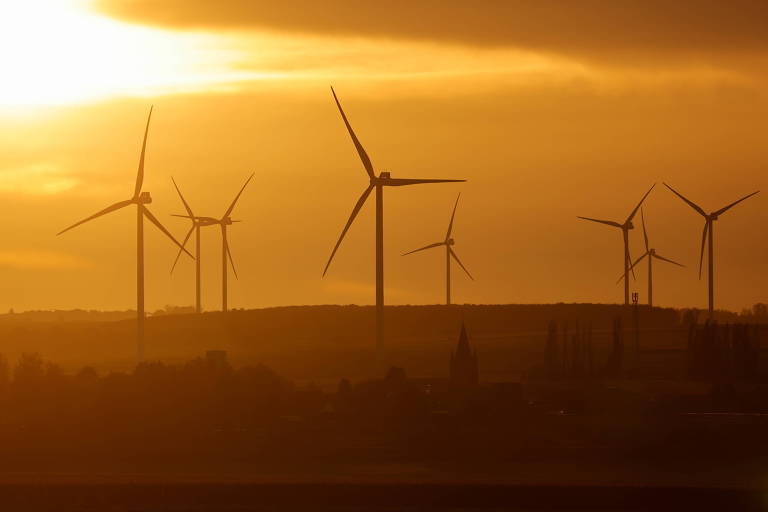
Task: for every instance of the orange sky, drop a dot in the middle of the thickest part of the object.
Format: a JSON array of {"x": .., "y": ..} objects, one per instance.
[{"x": 568, "y": 113}]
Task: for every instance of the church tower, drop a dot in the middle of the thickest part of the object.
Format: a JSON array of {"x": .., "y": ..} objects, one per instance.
[{"x": 464, "y": 371}]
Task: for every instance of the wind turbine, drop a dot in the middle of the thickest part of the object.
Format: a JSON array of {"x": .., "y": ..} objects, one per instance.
[
  {"x": 222, "y": 222},
  {"x": 376, "y": 182},
  {"x": 449, "y": 253},
  {"x": 141, "y": 200},
  {"x": 650, "y": 253},
  {"x": 196, "y": 224},
  {"x": 707, "y": 236},
  {"x": 625, "y": 227}
]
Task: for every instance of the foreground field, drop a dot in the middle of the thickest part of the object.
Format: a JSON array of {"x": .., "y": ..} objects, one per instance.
[{"x": 347, "y": 497}]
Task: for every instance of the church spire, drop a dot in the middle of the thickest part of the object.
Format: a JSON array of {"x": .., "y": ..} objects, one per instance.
[{"x": 464, "y": 370}]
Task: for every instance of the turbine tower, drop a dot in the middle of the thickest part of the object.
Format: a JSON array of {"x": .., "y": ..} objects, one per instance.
[
  {"x": 650, "y": 253},
  {"x": 378, "y": 183},
  {"x": 196, "y": 224},
  {"x": 449, "y": 253},
  {"x": 707, "y": 238},
  {"x": 141, "y": 200},
  {"x": 625, "y": 227},
  {"x": 223, "y": 223}
]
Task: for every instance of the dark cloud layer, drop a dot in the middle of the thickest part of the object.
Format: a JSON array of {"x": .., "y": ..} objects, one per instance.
[{"x": 591, "y": 28}]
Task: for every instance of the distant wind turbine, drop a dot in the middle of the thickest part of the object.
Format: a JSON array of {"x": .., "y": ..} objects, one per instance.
[
  {"x": 708, "y": 236},
  {"x": 196, "y": 224},
  {"x": 449, "y": 253},
  {"x": 222, "y": 222},
  {"x": 140, "y": 199},
  {"x": 650, "y": 253},
  {"x": 377, "y": 182},
  {"x": 625, "y": 227}
]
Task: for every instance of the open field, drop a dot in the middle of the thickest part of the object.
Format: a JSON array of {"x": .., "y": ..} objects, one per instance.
[{"x": 347, "y": 497}]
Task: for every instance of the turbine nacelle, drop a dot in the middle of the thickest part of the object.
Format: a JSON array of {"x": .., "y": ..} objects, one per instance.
[
  {"x": 450, "y": 241},
  {"x": 144, "y": 198},
  {"x": 383, "y": 176}
]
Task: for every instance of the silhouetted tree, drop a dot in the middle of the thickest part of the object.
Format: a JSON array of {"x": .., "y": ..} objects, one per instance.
[
  {"x": 616, "y": 359},
  {"x": 29, "y": 370},
  {"x": 344, "y": 388},
  {"x": 551, "y": 361},
  {"x": 5, "y": 374}
]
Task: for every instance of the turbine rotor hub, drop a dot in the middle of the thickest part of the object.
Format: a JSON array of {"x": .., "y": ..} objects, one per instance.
[{"x": 450, "y": 241}]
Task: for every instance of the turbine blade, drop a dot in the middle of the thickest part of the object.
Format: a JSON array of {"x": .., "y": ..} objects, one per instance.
[
  {"x": 108, "y": 209},
  {"x": 399, "y": 182},
  {"x": 703, "y": 242},
  {"x": 645, "y": 233},
  {"x": 167, "y": 233},
  {"x": 201, "y": 221},
  {"x": 632, "y": 215},
  {"x": 632, "y": 266},
  {"x": 355, "y": 211},
  {"x": 453, "y": 255},
  {"x": 360, "y": 150},
  {"x": 184, "y": 244},
  {"x": 608, "y": 222},
  {"x": 231, "y": 261},
  {"x": 430, "y": 246},
  {"x": 662, "y": 258},
  {"x": 690, "y": 203},
  {"x": 140, "y": 174},
  {"x": 450, "y": 225},
  {"x": 723, "y": 210},
  {"x": 234, "y": 201},
  {"x": 186, "y": 205}
]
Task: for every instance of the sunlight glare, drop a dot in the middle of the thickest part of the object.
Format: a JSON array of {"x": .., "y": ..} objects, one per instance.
[{"x": 58, "y": 52}]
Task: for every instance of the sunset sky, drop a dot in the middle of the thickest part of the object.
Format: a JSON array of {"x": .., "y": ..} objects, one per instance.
[{"x": 550, "y": 109}]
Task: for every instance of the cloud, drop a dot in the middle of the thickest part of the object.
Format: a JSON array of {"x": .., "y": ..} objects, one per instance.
[
  {"x": 35, "y": 179},
  {"x": 701, "y": 30},
  {"x": 31, "y": 259}
]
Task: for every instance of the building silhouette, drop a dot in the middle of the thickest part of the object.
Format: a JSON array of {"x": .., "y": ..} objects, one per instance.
[{"x": 464, "y": 370}]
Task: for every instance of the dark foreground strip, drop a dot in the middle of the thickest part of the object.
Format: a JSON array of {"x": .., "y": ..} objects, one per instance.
[{"x": 338, "y": 497}]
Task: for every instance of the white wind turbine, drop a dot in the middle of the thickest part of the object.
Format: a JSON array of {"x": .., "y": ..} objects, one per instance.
[
  {"x": 707, "y": 237},
  {"x": 141, "y": 200},
  {"x": 651, "y": 254},
  {"x": 448, "y": 243},
  {"x": 625, "y": 228},
  {"x": 196, "y": 225},
  {"x": 375, "y": 182},
  {"x": 223, "y": 222}
]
